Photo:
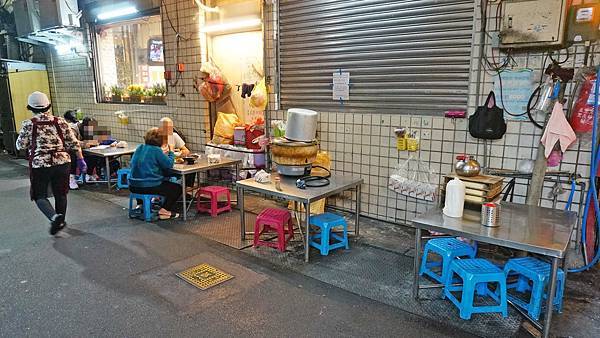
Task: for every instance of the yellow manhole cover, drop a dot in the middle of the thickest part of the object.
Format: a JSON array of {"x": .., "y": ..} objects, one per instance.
[{"x": 204, "y": 276}]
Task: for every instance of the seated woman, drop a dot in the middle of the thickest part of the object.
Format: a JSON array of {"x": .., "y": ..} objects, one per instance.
[
  {"x": 92, "y": 135},
  {"x": 149, "y": 173}
]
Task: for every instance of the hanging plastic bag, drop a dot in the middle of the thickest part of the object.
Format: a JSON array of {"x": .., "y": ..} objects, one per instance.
[
  {"x": 582, "y": 116},
  {"x": 224, "y": 128},
  {"x": 260, "y": 96},
  {"x": 214, "y": 84},
  {"x": 415, "y": 179}
]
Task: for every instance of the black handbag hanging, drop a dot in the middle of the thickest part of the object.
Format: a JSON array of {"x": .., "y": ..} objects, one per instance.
[{"x": 488, "y": 121}]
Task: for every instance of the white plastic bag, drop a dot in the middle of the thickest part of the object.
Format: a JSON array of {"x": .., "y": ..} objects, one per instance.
[{"x": 414, "y": 178}]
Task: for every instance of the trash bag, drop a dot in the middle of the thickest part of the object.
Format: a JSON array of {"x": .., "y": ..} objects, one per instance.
[
  {"x": 214, "y": 84},
  {"x": 224, "y": 128},
  {"x": 260, "y": 96}
]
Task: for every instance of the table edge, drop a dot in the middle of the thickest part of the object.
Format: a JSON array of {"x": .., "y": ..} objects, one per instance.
[{"x": 533, "y": 249}]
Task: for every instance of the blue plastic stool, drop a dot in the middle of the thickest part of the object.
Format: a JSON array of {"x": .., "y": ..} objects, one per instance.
[
  {"x": 123, "y": 178},
  {"x": 326, "y": 222},
  {"x": 448, "y": 249},
  {"x": 146, "y": 207},
  {"x": 538, "y": 272},
  {"x": 474, "y": 271}
]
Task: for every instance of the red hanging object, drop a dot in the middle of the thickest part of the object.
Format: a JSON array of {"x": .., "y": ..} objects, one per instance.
[{"x": 582, "y": 118}]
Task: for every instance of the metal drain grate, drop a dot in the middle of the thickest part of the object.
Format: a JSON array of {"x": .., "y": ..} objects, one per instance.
[{"x": 204, "y": 276}]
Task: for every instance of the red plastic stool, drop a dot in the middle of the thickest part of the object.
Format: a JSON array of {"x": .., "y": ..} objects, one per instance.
[
  {"x": 213, "y": 193},
  {"x": 274, "y": 220}
]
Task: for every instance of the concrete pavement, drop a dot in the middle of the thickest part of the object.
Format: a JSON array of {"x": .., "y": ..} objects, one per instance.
[{"x": 112, "y": 276}]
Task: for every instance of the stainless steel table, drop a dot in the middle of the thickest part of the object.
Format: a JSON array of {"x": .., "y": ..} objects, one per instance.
[
  {"x": 109, "y": 153},
  {"x": 537, "y": 230},
  {"x": 290, "y": 192},
  {"x": 201, "y": 165}
]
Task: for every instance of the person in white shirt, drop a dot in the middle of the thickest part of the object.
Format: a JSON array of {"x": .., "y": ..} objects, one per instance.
[{"x": 173, "y": 139}]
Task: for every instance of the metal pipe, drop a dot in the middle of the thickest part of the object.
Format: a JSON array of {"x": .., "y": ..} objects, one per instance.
[
  {"x": 550, "y": 301},
  {"x": 307, "y": 221},
  {"x": 416, "y": 263},
  {"x": 240, "y": 196},
  {"x": 357, "y": 211}
]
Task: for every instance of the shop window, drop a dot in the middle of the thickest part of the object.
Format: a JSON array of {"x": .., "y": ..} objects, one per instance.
[{"x": 130, "y": 61}]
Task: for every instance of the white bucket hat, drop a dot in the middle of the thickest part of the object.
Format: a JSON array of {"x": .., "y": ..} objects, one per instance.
[{"x": 38, "y": 101}]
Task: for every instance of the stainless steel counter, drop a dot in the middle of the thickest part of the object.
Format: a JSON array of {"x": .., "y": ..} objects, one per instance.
[
  {"x": 290, "y": 192},
  {"x": 109, "y": 153},
  {"x": 534, "y": 229},
  {"x": 201, "y": 165}
]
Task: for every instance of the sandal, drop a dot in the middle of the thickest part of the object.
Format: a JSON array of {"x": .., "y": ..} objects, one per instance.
[{"x": 171, "y": 216}]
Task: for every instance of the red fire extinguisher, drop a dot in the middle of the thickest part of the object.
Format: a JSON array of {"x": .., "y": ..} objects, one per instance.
[{"x": 582, "y": 117}]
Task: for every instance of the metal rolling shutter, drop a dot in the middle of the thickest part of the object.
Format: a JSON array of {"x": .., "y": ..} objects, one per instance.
[{"x": 403, "y": 56}]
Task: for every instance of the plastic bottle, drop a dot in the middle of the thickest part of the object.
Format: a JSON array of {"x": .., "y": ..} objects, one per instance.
[{"x": 455, "y": 198}]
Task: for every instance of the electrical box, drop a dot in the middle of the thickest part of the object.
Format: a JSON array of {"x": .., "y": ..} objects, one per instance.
[
  {"x": 35, "y": 15},
  {"x": 584, "y": 23},
  {"x": 533, "y": 23}
]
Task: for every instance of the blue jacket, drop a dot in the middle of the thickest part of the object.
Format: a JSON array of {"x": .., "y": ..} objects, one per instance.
[{"x": 149, "y": 166}]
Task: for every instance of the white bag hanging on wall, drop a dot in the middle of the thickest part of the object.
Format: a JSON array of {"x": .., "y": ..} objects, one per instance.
[
  {"x": 415, "y": 179},
  {"x": 455, "y": 198}
]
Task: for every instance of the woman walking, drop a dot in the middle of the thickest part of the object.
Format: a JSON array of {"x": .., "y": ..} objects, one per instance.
[{"x": 48, "y": 140}]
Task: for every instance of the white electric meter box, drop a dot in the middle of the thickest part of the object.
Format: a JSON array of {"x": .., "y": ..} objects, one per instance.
[{"x": 533, "y": 23}]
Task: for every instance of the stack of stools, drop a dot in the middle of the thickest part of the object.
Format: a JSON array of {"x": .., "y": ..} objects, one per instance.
[
  {"x": 213, "y": 192},
  {"x": 274, "y": 220},
  {"x": 449, "y": 249},
  {"x": 530, "y": 269},
  {"x": 326, "y": 222},
  {"x": 476, "y": 274}
]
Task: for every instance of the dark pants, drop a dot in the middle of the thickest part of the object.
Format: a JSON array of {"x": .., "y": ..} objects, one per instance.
[
  {"x": 55, "y": 177},
  {"x": 73, "y": 162},
  {"x": 169, "y": 190}
]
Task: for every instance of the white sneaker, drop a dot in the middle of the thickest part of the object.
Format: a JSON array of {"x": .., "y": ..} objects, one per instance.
[
  {"x": 90, "y": 178},
  {"x": 73, "y": 183}
]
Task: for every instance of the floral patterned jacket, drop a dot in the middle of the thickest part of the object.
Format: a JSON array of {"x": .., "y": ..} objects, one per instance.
[{"x": 49, "y": 150}]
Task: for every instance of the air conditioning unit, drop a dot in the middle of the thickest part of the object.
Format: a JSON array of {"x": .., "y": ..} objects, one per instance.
[{"x": 32, "y": 16}]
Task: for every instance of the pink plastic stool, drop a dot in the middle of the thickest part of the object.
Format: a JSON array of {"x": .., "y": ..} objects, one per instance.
[
  {"x": 274, "y": 220},
  {"x": 213, "y": 193}
]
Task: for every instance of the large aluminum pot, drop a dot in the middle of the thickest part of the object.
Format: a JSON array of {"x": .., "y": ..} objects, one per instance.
[{"x": 301, "y": 125}]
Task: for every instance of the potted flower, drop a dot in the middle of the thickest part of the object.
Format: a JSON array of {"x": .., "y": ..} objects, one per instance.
[
  {"x": 149, "y": 95},
  {"x": 160, "y": 93},
  {"x": 117, "y": 93},
  {"x": 135, "y": 93}
]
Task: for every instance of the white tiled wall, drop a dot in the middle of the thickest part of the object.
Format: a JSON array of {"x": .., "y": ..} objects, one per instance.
[
  {"x": 360, "y": 144},
  {"x": 364, "y": 144}
]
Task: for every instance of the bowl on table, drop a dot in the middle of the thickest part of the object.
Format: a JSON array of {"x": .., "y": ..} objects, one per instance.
[{"x": 189, "y": 159}]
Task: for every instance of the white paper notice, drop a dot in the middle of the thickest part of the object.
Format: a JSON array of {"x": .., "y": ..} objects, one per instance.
[{"x": 341, "y": 86}]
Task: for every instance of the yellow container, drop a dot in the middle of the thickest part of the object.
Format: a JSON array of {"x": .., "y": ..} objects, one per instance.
[
  {"x": 401, "y": 143},
  {"x": 412, "y": 144}
]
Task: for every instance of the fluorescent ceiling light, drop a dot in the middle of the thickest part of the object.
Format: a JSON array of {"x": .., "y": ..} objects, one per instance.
[
  {"x": 231, "y": 25},
  {"x": 115, "y": 13}
]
